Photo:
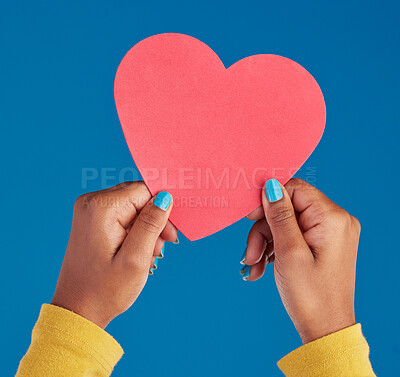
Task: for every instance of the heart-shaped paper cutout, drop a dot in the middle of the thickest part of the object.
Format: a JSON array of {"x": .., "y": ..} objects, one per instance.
[{"x": 212, "y": 136}]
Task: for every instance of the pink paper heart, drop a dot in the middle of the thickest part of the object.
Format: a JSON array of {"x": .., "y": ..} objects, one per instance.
[{"x": 212, "y": 136}]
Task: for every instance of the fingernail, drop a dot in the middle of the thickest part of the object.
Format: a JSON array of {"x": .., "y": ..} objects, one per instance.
[
  {"x": 177, "y": 241},
  {"x": 273, "y": 190},
  {"x": 246, "y": 272},
  {"x": 243, "y": 256},
  {"x": 163, "y": 200},
  {"x": 162, "y": 252},
  {"x": 154, "y": 266}
]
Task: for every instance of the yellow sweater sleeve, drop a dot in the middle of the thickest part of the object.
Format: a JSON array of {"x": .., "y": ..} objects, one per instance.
[
  {"x": 342, "y": 354},
  {"x": 66, "y": 344}
]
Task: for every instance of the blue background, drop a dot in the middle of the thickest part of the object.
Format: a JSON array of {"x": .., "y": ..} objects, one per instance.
[{"x": 196, "y": 316}]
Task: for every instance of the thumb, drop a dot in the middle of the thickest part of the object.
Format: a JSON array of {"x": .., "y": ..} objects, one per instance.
[
  {"x": 139, "y": 244},
  {"x": 281, "y": 218}
]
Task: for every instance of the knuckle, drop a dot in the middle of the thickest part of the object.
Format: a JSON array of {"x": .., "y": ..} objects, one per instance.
[
  {"x": 296, "y": 182},
  {"x": 319, "y": 213},
  {"x": 282, "y": 215},
  {"x": 139, "y": 184},
  {"x": 82, "y": 201},
  {"x": 344, "y": 218},
  {"x": 124, "y": 184},
  {"x": 339, "y": 219},
  {"x": 260, "y": 228},
  {"x": 92, "y": 203},
  {"x": 150, "y": 221},
  {"x": 356, "y": 223}
]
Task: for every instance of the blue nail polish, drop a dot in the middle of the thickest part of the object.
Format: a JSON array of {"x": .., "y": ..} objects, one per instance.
[
  {"x": 162, "y": 251},
  {"x": 246, "y": 272},
  {"x": 163, "y": 200},
  {"x": 155, "y": 266},
  {"x": 176, "y": 241},
  {"x": 243, "y": 256},
  {"x": 273, "y": 190}
]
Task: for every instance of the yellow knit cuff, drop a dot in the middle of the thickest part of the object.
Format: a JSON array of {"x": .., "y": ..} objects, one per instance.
[
  {"x": 343, "y": 353},
  {"x": 79, "y": 332}
]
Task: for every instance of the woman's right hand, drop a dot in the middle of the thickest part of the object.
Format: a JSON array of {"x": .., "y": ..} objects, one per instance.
[{"x": 313, "y": 243}]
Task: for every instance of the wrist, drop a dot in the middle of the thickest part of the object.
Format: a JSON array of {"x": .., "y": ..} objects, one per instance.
[
  {"x": 81, "y": 308},
  {"x": 314, "y": 331}
]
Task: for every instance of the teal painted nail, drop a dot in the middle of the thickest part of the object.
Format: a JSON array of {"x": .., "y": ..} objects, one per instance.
[
  {"x": 273, "y": 190},
  {"x": 154, "y": 267},
  {"x": 163, "y": 200},
  {"x": 246, "y": 272},
  {"x": 176, "y": 241},
  {"x": 243, "y": 256},
  {"x": 162, "y": 252}
]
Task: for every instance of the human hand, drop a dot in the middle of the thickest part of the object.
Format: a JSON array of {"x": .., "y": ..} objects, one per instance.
[
  {"x": 313, "y": 243},
  {"x": 116, "y": 236}
]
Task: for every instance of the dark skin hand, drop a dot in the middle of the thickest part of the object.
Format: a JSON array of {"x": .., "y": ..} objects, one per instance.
[
  {"x": 115, "y": 237},
  {"x": 313, "y": 244}
]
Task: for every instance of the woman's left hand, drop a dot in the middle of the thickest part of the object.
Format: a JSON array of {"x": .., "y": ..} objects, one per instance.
[{"x": 116, "y": 236}]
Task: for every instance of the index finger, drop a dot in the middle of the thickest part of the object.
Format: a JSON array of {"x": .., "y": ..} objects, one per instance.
[
  {"x": 128, "y": 200},
  {"x": 308, "y": 202},
  {"x": 257, "y": 214}
]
